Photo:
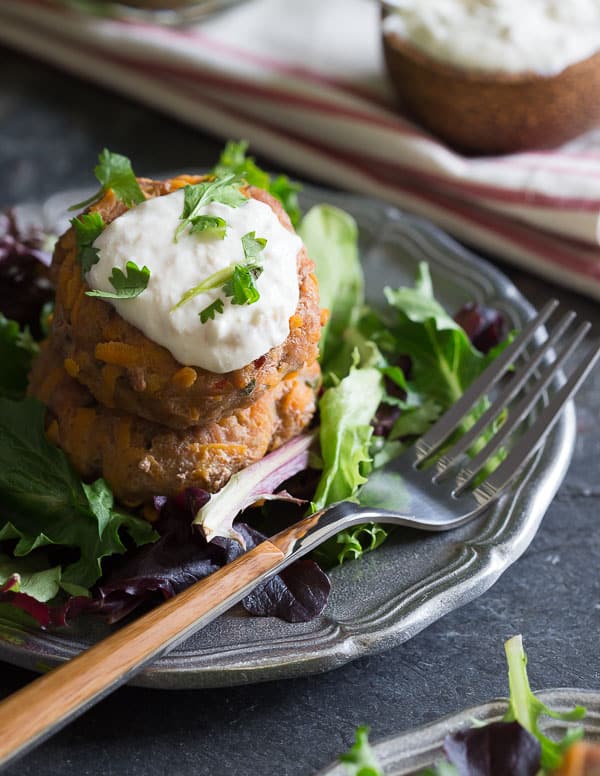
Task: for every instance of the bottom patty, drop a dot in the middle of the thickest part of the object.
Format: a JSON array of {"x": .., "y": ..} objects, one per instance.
[{"x": 140, "y": 459}]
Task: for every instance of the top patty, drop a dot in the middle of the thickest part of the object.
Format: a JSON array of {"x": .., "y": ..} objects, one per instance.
[{"x": 124, "y": 369}]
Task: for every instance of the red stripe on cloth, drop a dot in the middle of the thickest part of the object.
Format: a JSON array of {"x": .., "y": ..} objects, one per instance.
[
  {"x": 397, "y": 124},
  {"x": 266, "y": 62},
  {"x": 535, "y": 199},
  {"x": 566, "y": 255},
  {"x": 510, "y": 196},
  {"x": 386, "y": 168}
]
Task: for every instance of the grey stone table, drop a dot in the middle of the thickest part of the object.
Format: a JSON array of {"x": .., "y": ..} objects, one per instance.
[{"x": 51, "y": 129}]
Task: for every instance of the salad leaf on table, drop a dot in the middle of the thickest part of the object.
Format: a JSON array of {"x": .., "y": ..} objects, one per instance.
[
  {"x": 526, "y": 709},
  {"x": 360, "y": 760},
  {"x": 515, "y": 745}
]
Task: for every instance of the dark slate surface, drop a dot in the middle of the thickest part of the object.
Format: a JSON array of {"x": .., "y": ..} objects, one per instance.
[{"x": 51, "y": 129}]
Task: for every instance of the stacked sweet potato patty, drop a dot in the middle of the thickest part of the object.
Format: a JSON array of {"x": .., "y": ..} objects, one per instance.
[{"x": 122, "y": 407}]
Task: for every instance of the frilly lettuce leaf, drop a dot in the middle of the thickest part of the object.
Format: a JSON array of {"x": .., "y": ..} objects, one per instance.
[
  {"x": 345, "y": 434},
  {"x": 526, "y": 709},
  {"x": 360, "y": 759},
  {"x": 45, "y": 504}
]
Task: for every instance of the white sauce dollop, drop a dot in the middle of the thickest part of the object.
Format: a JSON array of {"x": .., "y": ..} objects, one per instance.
[
  {"x": 510, "y": 36},
  {"x": 241, "y": 333}
]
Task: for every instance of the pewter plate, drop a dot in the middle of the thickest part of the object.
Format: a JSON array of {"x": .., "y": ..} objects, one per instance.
[
  {"x": 415, "y": 578},
  {"x": 412, "y": 751}
]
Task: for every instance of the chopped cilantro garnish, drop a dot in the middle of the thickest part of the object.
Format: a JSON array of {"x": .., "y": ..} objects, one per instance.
[
  {"x": 252, "y": 245},
  {"x": 88, "y": 227},
  {"x": 211, "y": 226},
  {"x": 127, "y": 285},
  {"x": 216, "y": 280},
  {"x": 216, "y": 308},
  {"x": 236, "y": 281},
  {"x": 233, "y": 159},
  {"x": 114, "y": 172},
  {"x": 241, "y": 286},
  {"x": 225, "y": 190}
]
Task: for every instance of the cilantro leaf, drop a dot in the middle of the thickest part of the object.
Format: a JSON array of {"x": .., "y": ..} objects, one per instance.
[
  {"x": 45, "y": 504},
  {"x": 237, "y": 280},
  {"x": 216, "y": 280},
  {"x": 88, "y": 226},
  {"x": 233, "y": 159},
  {"x": 211, "y": 226},
  {"x": 252, "y": 245},
  {"x": 17, "y": 349},
  {"x": 225, "y": 190},
  {"x": 114, "y": 172},
  {"x": 360, "y": 759},
  {"x": 241, "y": 286},
  {"x": 209, "y": 313},
  {"x": 127, "y": 285}
]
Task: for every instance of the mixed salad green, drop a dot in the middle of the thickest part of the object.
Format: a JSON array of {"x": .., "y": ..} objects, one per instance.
[
  {"x": 515, "y": 745},
  {"x": 388, "y": 373}
]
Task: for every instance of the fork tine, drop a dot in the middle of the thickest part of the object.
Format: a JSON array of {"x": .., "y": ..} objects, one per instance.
[
  {"x": 447, "y": 424},
  {"x": 518, "y": 412},
  {"x": 535, "y": 434},
  {"x": 516, "y": 383}
]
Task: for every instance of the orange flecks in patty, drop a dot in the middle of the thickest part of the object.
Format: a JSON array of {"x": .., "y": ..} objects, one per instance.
[
  {"x": 71, "y": 367},
  {"x": 185, "y": 377}
]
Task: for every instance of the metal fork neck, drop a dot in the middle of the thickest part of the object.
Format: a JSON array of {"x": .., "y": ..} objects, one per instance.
[{"x": 303, "y": 537}]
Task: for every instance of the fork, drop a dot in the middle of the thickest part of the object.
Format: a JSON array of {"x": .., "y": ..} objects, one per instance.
[{"x": 437, "y": 472}]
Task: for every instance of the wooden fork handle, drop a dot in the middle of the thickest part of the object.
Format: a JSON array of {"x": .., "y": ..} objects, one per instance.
[{"x": 41, "y": 708}]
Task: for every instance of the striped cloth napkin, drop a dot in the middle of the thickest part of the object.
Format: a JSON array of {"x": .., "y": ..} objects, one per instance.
[{"x": 305, "y": 84}]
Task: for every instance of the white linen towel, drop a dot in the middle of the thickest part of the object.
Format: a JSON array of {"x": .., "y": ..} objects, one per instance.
[{"x": 304, "y": 83}]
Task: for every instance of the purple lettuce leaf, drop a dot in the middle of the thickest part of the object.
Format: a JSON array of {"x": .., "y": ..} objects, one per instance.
[
  {"x": 24, "y": 280},
  {"x": 183, "y": 556},
  {"x": 22, "y": 604},
  {"x": 254, "y": 483},
  {"x": 494, "y": 749},
  {"x": 486, "y": 327}
]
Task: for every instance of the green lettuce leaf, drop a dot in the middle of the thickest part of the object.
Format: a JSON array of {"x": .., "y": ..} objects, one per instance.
[
  {"x": 331, "y": 239},
  {"x": 36, "y": 577},
  {"x": 346, "y": 411},
  {"x": 525, "y": 708},
  {"x": 444, "y": 362},
  {"x": 360, "y": 759},
  {"x": 17, "y": 349},
  {"x": 45, "y": 504}
]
